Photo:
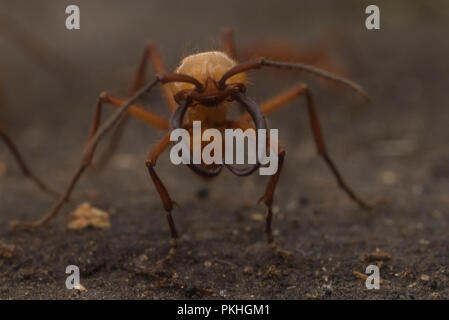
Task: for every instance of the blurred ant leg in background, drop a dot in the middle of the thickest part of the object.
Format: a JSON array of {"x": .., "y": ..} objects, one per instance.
[
  {"x": 36, "y": 49},
  {"x": 228, "y": 43},
  {"x": 317, "y": 55},
  {"x": 24, "y": 167},
  {"x": 153, "y": 54},
  {"x": 42, "y": 55}
]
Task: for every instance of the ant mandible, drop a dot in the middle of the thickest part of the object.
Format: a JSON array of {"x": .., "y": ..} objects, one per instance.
[{"x": 201, "y": 89}]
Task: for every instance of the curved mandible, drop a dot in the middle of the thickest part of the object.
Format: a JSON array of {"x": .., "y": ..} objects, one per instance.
[
  {"x": 176, "y": 123},
  {"x": 259, "y": 120}
]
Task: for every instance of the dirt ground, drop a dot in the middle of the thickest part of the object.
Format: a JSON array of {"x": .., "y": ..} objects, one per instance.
[{"x": 394, "y": 150}]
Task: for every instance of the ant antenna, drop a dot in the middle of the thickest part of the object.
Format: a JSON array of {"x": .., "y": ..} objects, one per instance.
[{"x": 259, "y": 63}]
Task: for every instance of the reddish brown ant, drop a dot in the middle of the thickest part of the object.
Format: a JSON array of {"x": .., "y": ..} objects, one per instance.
[{"x": 201, "y": 88}]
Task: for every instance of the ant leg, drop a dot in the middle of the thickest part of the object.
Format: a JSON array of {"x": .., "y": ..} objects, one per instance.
[
  {"x": 297, "y": 91},
  {"x": 277, "y": 102},
  {"x": 228, "y": 42},
  {"x": 136, "y": 111},
  {"x": 267, "y": 199},
  {"x": 112, "y": 147},
  {"x": 268, "y": 196},
  {"x": 64, "y": 198},
  {"x": 163, "y": 193},
  {"x": 322, "y": 151},
  {"x": 24, "y": 167},
  {"x": 152, "y": 53},
  {"x": 95, "y": 135}
]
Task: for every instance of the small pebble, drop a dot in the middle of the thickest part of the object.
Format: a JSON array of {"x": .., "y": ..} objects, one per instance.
[
  {"x": 425, "y": 277},
  {"x": 377, "y": 255},
  {"x": 326, "y": 290},
  {"x": 389, "y": 177},
  {"x": 435, "y": 296},
  {"x": 272, "y": 271},
  {"x": 257, "y": 217},
  {"x": 248, "y": 270},
  {"x": 207, "y": 264},
  {"x": 7, "y": 250},
  {"x": 80, "y": 287}
]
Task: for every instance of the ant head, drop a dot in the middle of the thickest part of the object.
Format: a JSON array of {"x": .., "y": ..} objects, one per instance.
[{"x": 208, "y": 69}]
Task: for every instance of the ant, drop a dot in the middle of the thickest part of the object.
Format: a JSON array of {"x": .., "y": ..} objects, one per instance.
[
  {"x": 11, "y": 30},
  {"x": 201, "y": 89}
]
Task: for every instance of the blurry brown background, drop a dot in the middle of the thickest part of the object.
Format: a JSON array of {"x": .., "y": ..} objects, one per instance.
[{"x": 394, "y": 149}]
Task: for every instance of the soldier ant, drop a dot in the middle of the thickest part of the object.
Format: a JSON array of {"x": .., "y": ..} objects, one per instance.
[{"x": 201, "y": 88}]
